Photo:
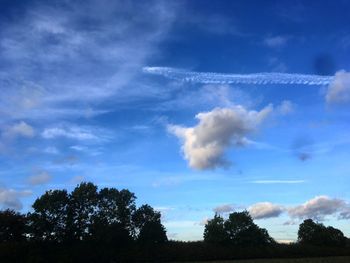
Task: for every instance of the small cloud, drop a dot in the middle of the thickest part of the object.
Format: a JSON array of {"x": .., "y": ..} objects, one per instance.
[
  {"x": 204, "y": 145},
  {"x": 338, "y": 91},
  {"x": 278, "y": 181},
  {"x": 275, "y": 41},
  {"x": 286, "y": 107},
  {"x": 80, "y": 133},
  {"x": 319, "y": 207},
  {"x": 10, "y": 198},
  {"x": 51, "y": 150},
  {"x": 223, "y": 209},
  {"x": 20, "y": 129},
  {"x": 42, "y": 177},
  {"x": 265, "y": 210},
  {"x": 70, "y": 160}
]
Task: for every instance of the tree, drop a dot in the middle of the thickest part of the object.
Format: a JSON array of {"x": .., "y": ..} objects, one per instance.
[
  {"x": 243, "y": 231},
  {"x": 214, "y": 231},
  {"x": 12, "y": 226},
  {"x": 312, "y": 233},
  {"x": 148, "y": 226},
  {"x": 238, "y": 229},
  {"x": 112, "y": 222},
  {"x": 49, "y": 219},
  {"x": 82, "y": 210}
]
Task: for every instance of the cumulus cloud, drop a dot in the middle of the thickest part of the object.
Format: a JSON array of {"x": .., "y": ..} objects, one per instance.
[
  {"x": 319, "y": 207},
  {"x": 20, "y": 129},
  {"x": 204, "y": 145},
  {"x": 338, "y": 91},
  {"x": 10, "y": 198},
  {"x": 42, "y": 177},
  {"x": 265, "y": 210},
  {"x": 221, "y": 209}
]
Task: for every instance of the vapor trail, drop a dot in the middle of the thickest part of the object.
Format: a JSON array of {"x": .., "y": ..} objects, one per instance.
[{"x": 255, "y": 78}]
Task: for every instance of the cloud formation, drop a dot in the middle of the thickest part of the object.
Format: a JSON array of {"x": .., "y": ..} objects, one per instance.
[
  {"x": 338, "y": 91},
  {"x": 265, "y": 210},
  {"x": 10, "y": 198},
  {"x": 319, "y": 207},
  {"x": 254, "y": 78},
  {"x": 204, "y": 145},
  {"x": 20, "y": 129},
  {"x": 221, "y": 209},
  {"x": 75, "y": 132},
  {"x": 42, "y": 177}
]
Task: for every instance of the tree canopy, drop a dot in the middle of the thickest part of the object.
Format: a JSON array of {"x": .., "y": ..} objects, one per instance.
[
  {"x": 238, "y": 229},
  {"x": 313, "y": 233}
]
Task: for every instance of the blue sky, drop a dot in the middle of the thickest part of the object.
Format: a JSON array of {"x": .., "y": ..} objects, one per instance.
[{"x": 81, "y": 101}]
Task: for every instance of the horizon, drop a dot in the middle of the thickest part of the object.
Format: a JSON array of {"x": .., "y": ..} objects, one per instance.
[{"x": 196, "y": 107}]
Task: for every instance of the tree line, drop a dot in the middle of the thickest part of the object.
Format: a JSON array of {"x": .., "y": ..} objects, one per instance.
[
  {"x": 85, "y": 214},
  {"x": 91, "y": 225}
]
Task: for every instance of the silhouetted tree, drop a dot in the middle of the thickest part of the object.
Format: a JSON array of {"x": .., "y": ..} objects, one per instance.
[
  {"x": 148, "y": 226},
  {"x": 214, "y": 230},
  {"x": 243, "y": 231},
  {"x": 49, "y": 219},
  {"x": 238, "y": 229},
  {"x": 313, "y": 233},
  {"x": 112, "y": 222},
  {"x": 82, "y": 210},
  {"x": 12, "y": 226}
]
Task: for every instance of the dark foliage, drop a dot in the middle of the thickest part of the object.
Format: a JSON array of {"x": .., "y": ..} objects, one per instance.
[
  {"x": 239, "y": 229},
  {"x": 12, "y": 226},
  {"x": 88, "y": 225},
  {"x": 312, "y": 233}
]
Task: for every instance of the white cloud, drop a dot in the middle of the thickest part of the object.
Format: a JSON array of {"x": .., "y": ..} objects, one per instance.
[
  {"x": 278, "y": 181},
  {"x": 286, "y": 107},
  {"x": 51, "y": 150},
  {"x": 204, "y": 145},
  {"x": 275, "y": 41},
  {"x": 20, "y": 129},
  {"x": 265, "y": 210},
  {"x": 42, "y": 177},
  {"x": 318, "y": 208},
  {"x": 10, "y": 198},
  {"x": 339, "y": 89},
  {"x": 222, "y": 209},
  {"x": 80, "y": 133}
]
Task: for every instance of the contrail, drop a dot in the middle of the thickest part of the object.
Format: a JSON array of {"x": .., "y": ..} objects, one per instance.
[{"x": 223, "y": 78}]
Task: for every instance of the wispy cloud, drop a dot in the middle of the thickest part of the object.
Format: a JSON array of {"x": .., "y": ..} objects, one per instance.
[
  {"x": 77, "y": 53},
  {"x": 41, "y": 177},
  {"x": 278, "y": 181},
  {"x": 222, "y": 78}
]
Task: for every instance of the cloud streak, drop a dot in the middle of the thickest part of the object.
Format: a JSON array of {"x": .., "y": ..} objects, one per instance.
[{"x": 255, "y": 78}]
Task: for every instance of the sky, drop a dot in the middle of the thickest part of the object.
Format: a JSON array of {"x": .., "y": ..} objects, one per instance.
[{"x": 198, "y": 107}]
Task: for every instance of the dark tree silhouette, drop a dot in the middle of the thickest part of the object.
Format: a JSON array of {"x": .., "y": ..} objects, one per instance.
[
  {"x": 244, "y": 232},
  {"x": 12, "y": 226},
  {"x": 313, "y": 233},
  {"x": 239, "y": 229},
  {"x": 81, "y": 211},
  {"x": 214, "y": 230},
  {"x": 148, "y": 226},
  {"x": 112, "y": 222},
  {"x": 49, "y": 219}
]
